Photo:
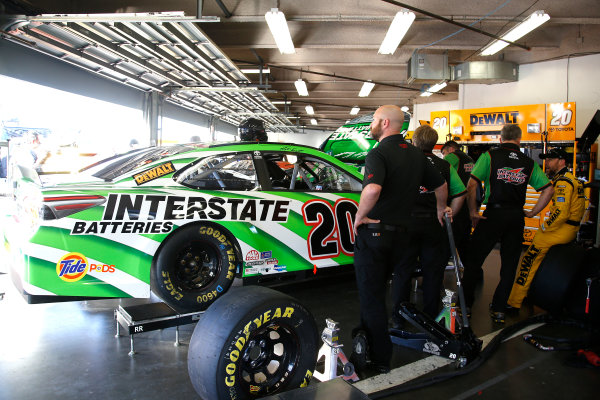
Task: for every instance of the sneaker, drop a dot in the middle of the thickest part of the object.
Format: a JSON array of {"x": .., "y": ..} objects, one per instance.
[{"x": 497, "y": 316}]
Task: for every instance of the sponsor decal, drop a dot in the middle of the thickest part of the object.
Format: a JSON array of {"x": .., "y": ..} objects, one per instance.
[
  {"x": 259, "y": 262},
  {"x": 513, "y": 155},
  {"x": 526, "y": 263},
  {"x": 272, "y": 261},
  {"x": 266, "y": 254},
  {"x": 560, "y": 199},
  {"x": 351, "y": 132},
  {"x": 490, "y": 119},
  {"x": 154, "y": 173},
  {"x": 252, "y": 255},
  {"x": 250, "y": 271},
  {"x": 370, "y": 176},
  {"x": 512, "y": 176},
  {"x": 143, "y": 214},
  {"x": 468, "y": 167},
  {"x": 264, "y": 270},
  {"x": 280, "y": 268},
  {"x": 72, "y": 267},
  {"x": 104, "y": 268},
  {"x": 432, "y": 348}
]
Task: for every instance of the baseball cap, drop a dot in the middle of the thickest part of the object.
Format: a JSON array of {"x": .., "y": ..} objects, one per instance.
[{"x": 555, "y": 153}]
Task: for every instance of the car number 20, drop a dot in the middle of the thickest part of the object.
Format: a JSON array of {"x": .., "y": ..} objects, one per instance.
[{"x": 333, "y": 227}]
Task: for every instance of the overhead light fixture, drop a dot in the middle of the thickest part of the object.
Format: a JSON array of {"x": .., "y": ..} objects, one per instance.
[
  {"x": 281, "y": 102},
  {"x": 530, "y": 23},
  {"x": 435, "y": 88},
  {"x": 280, "y": 31},
  {"x": 366, "y": 88},
  {"x": 313, "y": 121},
  {"x": 404, "y": 108},
  {"x": 301, "y": 87},
  {"x": 354, "y": 110},
  {"x": 396, "y": 31},
  {"x": 255, "y": 70},
  {"x": 309, "y": 110}
]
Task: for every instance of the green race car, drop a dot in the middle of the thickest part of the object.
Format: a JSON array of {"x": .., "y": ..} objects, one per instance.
[{"x": 183, "y": 221}]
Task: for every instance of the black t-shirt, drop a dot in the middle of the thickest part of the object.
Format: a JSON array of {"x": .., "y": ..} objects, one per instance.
[{"x": 400, "y": 168}]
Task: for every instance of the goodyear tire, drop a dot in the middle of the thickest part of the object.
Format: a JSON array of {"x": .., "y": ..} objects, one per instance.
[
  {"x": 194, "y": 267},
  {"x": 251, "y": 343},
  {"x": 555, "y": 277}
]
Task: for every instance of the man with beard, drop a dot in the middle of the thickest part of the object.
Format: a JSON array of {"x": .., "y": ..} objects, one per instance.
[
  {"x": 566, "y": 211},
  {"x": 394, "y": 172}
]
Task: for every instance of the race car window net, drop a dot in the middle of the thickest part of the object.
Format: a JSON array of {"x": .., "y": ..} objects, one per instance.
[
  {"x": 307, "y": 174},
  {"x": 222, "y": 172},
  {"x": 124, "y": 165}
]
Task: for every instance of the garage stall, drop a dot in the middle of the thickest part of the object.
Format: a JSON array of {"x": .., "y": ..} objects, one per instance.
[{"x": 154, "y": 245}]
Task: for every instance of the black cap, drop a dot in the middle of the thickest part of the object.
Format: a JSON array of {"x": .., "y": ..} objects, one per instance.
[{"x": 555, "y": 153}]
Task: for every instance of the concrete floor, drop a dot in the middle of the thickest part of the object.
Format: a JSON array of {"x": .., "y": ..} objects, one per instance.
[{"x": 69, "y": 350}]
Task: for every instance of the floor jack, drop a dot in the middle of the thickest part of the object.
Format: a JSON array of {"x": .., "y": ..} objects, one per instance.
[
  {"x": 332, "y": 352},
  {"x": 455, "y": 340}
]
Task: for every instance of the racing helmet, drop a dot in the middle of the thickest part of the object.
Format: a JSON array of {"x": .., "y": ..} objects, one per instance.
[{"x": 252, "y": 130}]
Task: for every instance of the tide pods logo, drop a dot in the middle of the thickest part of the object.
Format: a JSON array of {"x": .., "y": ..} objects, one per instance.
[{"x": 72, "y": 267}]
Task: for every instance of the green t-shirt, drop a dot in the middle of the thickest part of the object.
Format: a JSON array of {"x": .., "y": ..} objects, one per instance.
[
  {"x": 453, "y": 160},
  {"x": 455, "y": 186}
]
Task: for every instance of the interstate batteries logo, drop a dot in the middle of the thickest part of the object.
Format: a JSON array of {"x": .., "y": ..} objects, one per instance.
[
  {"x": 512, "y": 176},
  {"x": 72, "y": 267}
]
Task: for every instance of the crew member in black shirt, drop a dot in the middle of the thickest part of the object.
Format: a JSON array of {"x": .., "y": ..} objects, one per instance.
[
  {"x": 461, "y": 222},
  {"x": 394, "y": 172},
  {"x": 429, "y": 246}
]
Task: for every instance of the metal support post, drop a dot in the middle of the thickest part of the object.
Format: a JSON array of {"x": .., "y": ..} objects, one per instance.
[
  {"x": 176, "y": 344},
  {"x": 131, "y": 351}
]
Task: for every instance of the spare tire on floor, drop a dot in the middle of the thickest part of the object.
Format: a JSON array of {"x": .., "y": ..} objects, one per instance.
[
  {"x": 250, "y": 343},
  {"x": 555, "y": 277}
]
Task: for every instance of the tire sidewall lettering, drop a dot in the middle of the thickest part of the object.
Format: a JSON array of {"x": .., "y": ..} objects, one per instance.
[{"x": 274, "y": 316}]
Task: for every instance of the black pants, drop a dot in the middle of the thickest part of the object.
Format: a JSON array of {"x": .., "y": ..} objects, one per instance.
[
  {"x": 376, "y": 251},
  {"x": 504, "y": 226},
  {"x": 428, "y": 247},
  {"x": 461, "y": 229}
]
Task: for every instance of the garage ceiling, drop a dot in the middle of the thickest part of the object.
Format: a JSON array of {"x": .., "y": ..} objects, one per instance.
[{"x": 336, "y": 44}]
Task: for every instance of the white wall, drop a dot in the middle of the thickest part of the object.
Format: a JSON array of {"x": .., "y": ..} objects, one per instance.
[{"x": 576, "y": 79}]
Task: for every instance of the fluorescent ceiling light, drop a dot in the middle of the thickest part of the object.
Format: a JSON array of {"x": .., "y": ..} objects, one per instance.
[
  {"x": 354, "y": 110},
  {"x": 366, "y": 88},
  {"x": 280, "y": 102},
  {"x": 313, "y": 121},
  {"x": 255, "y": 70},
  {"x": 279, "y": 29},
  {"x": 396, "y": 31},
  {"x": 309, "y": 110},
  {"x": 301, "y": 87},
  {"x": 530, "y": 23},
  {"x": 435, "y": 88},
  {"x": 404, "y": 108}
]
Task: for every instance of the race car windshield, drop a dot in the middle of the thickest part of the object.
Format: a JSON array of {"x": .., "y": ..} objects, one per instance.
[{"x": 138, "y": 159}]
